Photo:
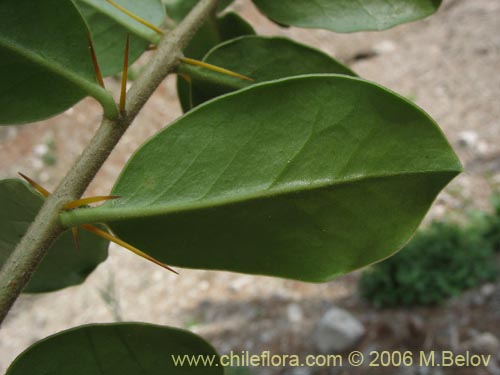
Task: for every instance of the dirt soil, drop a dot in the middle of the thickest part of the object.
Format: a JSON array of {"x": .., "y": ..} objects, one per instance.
[{"x": 448, "y": 64}]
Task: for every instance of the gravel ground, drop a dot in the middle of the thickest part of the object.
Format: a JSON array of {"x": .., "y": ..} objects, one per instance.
[{"x": 448, "y": 64}]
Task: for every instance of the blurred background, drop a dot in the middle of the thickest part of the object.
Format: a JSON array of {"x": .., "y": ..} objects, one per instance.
[{"x": 439, "y": 293}]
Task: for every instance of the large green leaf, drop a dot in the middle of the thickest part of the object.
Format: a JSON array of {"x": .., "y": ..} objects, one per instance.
[
  {"x": 64, "y": 265},
  {"x": 45, "y": 65},
  {"x": 109, "y": 28},
  {"x": 213, "y": 32},
  {"x": 117, "y": 349},
  {"x": 307, "y": 178},
  {"x": 262, "y": 59},
  {"x": 347, "y": 15}
]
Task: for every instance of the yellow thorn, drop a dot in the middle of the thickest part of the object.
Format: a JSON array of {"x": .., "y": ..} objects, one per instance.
[
  {"x": 123, "y": 95},
  {"x": 97, "y": 69},
  {"x": 85, "y": 201},
  {"x": 73, "y": 204},
  {"x": 137, "y": 18},
  {"x": 37, "y": 187},
  {"x": 76, "y": 238},
  {"x": 124, "y": 244},
  {"x": 97, "y": 231},
  {"x": 214, "y": 68}
]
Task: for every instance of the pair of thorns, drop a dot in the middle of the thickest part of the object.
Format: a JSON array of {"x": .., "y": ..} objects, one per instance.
[
  {"x": 91, "y": 228},
  {"x": 185, "y": 60},
  {"x": 123, "y": 98}
]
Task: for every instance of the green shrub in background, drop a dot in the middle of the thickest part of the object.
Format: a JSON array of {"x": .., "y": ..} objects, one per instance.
[
  {"x": 491, "y": 228},
  {"x": 438, "y": 263},
  {"x": 488, "y": 224}
]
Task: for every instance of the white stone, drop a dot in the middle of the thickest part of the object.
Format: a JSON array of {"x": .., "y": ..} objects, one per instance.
[
  {"x": 468, "y": 138},
  {"x": 41, "y": 149},
  {"x": 337, "y": 331},
  {"x": 487, "y": 290},
  {"x": 385, "y": 46},
  {"x": 485, "y": 343},
  {"x": 483, "y": 148},
  {"x": 294, "y": 313}
]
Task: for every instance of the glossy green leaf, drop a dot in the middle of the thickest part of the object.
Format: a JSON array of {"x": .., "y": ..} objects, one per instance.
[
  {"x": 347, "y": 15},
  {"x": 45, "y": 65},
  {"x": 215, "y": 31},
  {"x": 307, "y": 178},
  {"x": 262, "y": 59},
  {"x": 116, "y": 349},
  {"x": 109, "y": 28},
  {"x": 64, "y": 265}
]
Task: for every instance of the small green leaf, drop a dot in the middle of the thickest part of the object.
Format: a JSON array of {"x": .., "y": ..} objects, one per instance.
[
  {"x": 64, "y": 265},
  {"x": 45, "y": 65},
  {"x": 212, "y": 33},
  {"x": 262, "y": 59},
  {"x": 109, "y": 28},
  {"x": 307, "y": 178},
  {"x": 346, "y": 16},
  {"x": 116, "y": 349}
]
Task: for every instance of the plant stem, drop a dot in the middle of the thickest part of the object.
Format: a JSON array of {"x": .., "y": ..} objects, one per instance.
[{"x": 46, "y": 227}]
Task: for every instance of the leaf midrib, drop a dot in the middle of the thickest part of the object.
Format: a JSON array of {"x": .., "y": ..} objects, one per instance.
[
  {"x": 91, "y": 88},
  {"x": 105, "y": 214}
]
